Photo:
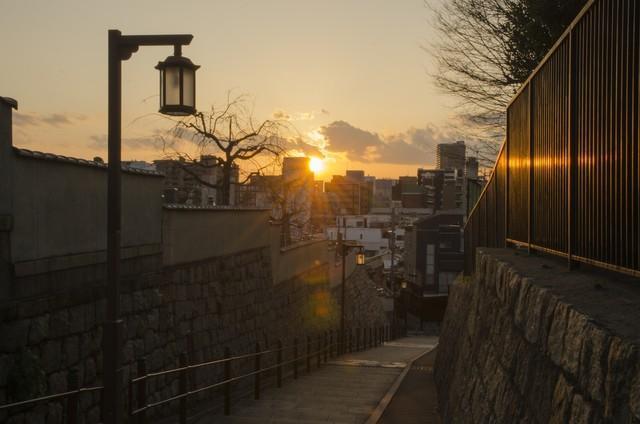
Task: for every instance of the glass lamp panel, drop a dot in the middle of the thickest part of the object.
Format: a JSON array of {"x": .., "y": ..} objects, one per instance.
[
  {"x": 161, "y": 88},
  {"x": 172, "y": 85},
  {"x": 189, "y": 87}
]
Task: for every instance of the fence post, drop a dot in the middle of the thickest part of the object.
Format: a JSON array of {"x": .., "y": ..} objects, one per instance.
[
  {"x": 256, "y": 389},
  {"x": 183, "y": 388},
  {"x": 326, "y": 346},
  {"x": 142, "y": 390},
  {"x": 227, "y": 386},
  {"x": 72, "y": 400},
  {"x": 308, "y": 354},
  {"x": 279, "y": 359},
  {"x": 319, "y": 350},
  {"x": 295, "y": 358}
]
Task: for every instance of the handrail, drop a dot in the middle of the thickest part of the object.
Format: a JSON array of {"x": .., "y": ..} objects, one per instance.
[
  {"x": 325, "y": 346},
  {"x": 209, "y": 363},
  {"x": 50, "y": 397}
]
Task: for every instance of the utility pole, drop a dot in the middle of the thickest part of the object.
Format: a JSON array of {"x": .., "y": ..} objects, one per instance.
[{"x": 392, "y": 277}]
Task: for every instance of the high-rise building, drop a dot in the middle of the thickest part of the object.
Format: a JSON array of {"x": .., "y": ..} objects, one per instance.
[
  {"x": 451, "y": 156},
  {"x": 471, "y": 167}
]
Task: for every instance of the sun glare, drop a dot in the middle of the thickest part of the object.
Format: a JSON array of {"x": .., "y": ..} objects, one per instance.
[{"x": 316, "y": 165}]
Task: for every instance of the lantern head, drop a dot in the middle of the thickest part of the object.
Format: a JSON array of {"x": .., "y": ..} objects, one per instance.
[{"x": 177, "y": 85}]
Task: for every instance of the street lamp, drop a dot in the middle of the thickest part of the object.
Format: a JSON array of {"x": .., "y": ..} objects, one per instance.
[
  {"x": 121, "y": 47},
  {"x": 343, "y": 249}
]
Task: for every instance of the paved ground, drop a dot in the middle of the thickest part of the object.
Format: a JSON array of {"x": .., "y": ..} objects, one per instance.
[
  {"x": 416, "y": 400},
  {"x": 346, "y": 390}
]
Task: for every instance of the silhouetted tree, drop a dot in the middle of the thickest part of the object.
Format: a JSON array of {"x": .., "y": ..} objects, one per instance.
[
  {"x": 233, "y": 136},
  {"x": 487, "y": 48},
  {"x": 290, "y": 202}
]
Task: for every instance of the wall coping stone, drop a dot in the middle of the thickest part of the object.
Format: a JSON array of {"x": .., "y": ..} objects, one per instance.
[{"x": 59, "y": 263}]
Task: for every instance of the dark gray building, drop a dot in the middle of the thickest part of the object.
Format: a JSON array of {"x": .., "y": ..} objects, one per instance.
[
  {"x": 451, "y": 156},
  {"x": 433, "y": 252}
]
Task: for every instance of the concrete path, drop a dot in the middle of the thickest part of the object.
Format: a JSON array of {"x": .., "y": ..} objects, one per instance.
[
  {"x": 416, "y": 400},
  {"x": 346, "y": 390}
]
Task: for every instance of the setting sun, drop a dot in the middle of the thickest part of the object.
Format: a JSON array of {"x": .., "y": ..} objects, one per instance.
[{"x": 316, "y": 165}]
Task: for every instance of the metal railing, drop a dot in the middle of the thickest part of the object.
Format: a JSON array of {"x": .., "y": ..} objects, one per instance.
[
  {"x": 71, "y": 398},
  {"x": 302, "y": 353},
  {"x": 567, "y": 179}
]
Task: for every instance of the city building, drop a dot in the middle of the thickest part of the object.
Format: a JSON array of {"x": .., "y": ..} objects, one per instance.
[
  {"x": 349, "y": 194},
  {"x": 195, "y": 183},
  {"x": 433, "y": 252},
  {"x": 451, "y": 156},
  {"x": 371, "y": 231},
  {"x": 471, "y": 167},
  {"x": 409, "y": 193},
  {"x": 383, "y": 193}
]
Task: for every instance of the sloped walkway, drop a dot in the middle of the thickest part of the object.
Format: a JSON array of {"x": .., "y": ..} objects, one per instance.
[
  {"x": 345, "y": 390},
  {"x": 416, "y": 400}
]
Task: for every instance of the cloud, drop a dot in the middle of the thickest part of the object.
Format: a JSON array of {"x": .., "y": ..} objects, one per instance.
[
  {"x": 303, "y": 147},
  {"x": 345, "y": 138},
  {"x": 281, "y": 114},
  {"x": 23, "y": 120},
  {"x": 324, "y": 111},
  {"x": 415, "y": 146},
  {"x": 99, "y": 142},
  {"x": 56, "y": 119},
  {"x": 53, "y": 119},
  {"x": 297, "y": 116}
]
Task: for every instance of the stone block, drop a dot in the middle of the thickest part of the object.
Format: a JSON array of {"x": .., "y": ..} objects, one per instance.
[
  {"x": 622, "y": 359},
  {"x": 561, "y": 404},
  {"x": 14, "y": 335},
  {"x": 71, "y": 350},
  {"x": 57, "y": 382},
  {"x": 51, "y": 356},
  {"x": 594, "y": 352},
  {"x": 77, "y": 316},
  {"x": 573, "y": 338},
  {"x": 555, "y": 341},
  {"x": 90, "y": 371}
]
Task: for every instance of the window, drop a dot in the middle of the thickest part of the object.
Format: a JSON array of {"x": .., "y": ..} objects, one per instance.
[{"x": 446, "y": 244}]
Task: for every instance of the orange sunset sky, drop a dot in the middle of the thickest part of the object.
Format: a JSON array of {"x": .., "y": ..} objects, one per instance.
[{"x": 351, "y": 76}]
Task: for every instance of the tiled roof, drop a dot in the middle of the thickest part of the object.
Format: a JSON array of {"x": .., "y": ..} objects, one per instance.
[
  {"x": 181, "y": 206},
  {"x": 76, "y": 161}
]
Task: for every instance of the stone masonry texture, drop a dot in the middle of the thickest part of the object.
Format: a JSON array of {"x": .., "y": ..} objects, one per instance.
[
  {"x": 198, "y": 309},
  {"x": 524, "y": 340}
]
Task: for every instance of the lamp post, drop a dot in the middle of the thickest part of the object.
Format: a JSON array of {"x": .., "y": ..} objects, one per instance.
[
  {"x": 343, "y": 249},
  {"x": 177, "y": 97}
]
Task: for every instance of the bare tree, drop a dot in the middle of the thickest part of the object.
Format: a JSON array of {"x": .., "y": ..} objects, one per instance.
[
  {"x": 233, "y": 136},
  {"x": 487, "y": 48},
  {"x": 290, "y": 201}
]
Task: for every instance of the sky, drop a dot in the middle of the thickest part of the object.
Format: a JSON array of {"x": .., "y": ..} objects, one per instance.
[{"x": 351, "y": 76}]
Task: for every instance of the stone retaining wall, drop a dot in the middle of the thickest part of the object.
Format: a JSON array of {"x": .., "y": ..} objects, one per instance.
[
  {"x": 525, "y": 340},
  {"x": 199, "y": 308}
]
